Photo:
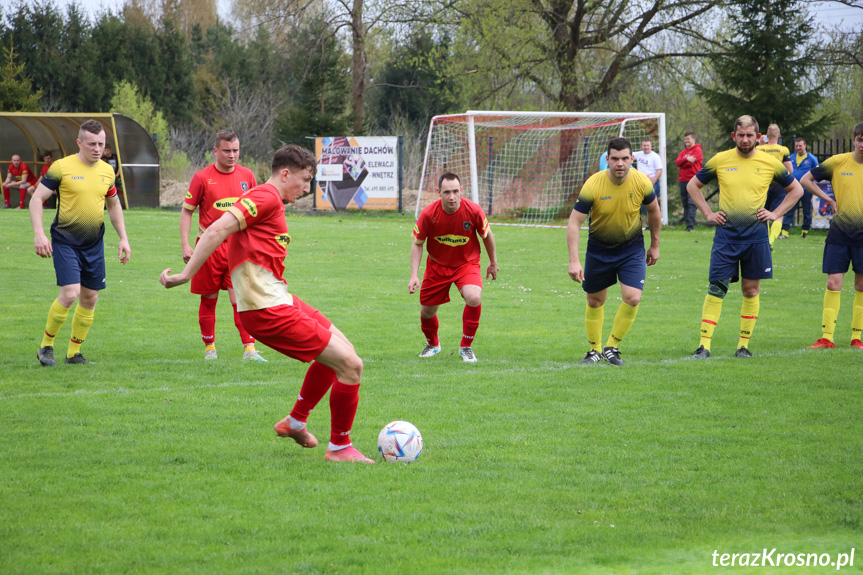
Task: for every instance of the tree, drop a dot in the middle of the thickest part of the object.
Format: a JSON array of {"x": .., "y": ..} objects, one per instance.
[
  {"x": 318, "y": 107},
  {"x": 128, "y": 101},
  {"x": 768, "y": 76},
  {"x": 568, "y": 53},
  {"x": 16, "y": 90},
  {"x": 416, "y": 82}
]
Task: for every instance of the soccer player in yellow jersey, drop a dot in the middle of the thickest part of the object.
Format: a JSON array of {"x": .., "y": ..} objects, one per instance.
[
  {"x": 615, "y": 246},
  {"x": 740, "y": 246},
  {"x": 776, "y": 193},
  {"x": 844, "y": 244},
  {"x": 84, "y": 185}
]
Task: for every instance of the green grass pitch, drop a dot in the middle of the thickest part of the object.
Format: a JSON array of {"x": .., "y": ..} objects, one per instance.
[{"x": 154, "y": 461}]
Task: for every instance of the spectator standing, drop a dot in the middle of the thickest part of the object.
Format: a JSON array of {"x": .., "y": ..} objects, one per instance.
[
  {"x": 801, "y": 162},
  {"x": 689, "y": 160}
]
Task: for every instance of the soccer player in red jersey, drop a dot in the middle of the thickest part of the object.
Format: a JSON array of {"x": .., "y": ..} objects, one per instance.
[
  {"x": 257, "y": 235},
  {"x": 20, "y": 176},
  {"x": 451, "y": 225},
  {"x": 212, "y": 192}
]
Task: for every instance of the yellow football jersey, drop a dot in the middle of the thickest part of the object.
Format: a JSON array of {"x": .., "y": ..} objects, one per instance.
[
  {"x": 846, "y": 177},
  {"x": 615, "y": 220},
  {"x": 81, "y": 192},
  {"x": 778, "y": 151},
  {"x": 743, "y": 184}
]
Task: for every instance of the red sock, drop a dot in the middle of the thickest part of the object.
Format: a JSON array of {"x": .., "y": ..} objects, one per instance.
[
  {"x": 6, "y": 196},
  {"x": 429, "y": 327},
  {"x": 343, "y": 408},
  {"x": 207, "y": 319},
  {"x": 470, "y": 323},
  {"x": 23, "y": 197},
  {"x": 245, "y": 336},
  {"x": 319, "y": 378}
]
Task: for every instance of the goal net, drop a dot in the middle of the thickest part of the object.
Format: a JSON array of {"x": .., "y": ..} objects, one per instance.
[{"x": 528, "y": 167}]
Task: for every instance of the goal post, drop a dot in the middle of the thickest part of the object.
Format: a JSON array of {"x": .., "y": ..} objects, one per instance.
[{"x": 528, "y": 167}]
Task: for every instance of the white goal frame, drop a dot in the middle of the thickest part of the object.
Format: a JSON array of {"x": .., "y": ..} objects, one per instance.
[{"x": 474, "y": 117}]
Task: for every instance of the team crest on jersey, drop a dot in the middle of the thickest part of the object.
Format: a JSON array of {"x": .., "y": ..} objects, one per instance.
[
  {"x": 283, "y": 239},
  {"x": 250, "y": 206},
  {"x": 245, "y": 186},
  {"x": 452, "y": 240},
  {"x": 466, "y": 226},
  {"x": 224, "y": 204},
  {"x": 106, "y": 180}
]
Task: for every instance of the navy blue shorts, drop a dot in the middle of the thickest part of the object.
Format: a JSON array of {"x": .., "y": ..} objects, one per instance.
[
  {"x": 775, "y": 195},
  {"x": 838, "y": 257},
  {"x": 603, "y": 268},
  {"x": 80, "y": 266},
  {"x": 750, "y": 261}
]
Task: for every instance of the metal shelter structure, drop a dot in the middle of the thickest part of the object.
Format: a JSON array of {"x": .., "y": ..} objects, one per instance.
[{"x": 31, "y": 135}]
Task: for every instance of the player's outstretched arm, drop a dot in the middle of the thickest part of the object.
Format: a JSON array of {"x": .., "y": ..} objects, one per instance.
[
  {"x": 416, "y": 256},
  {"x": 115, "y": 212},
  {"x": 212, "y": 239},
  {"x": 576, "y": 220},
  {"x": 491, "y": 249},
  {"x": 654, "y": 221},
  {"x": 40, "y": 241},
  {"x": 808, "y": 182}
]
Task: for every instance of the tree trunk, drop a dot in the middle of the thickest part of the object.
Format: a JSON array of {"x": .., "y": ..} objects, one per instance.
[{"x": 358, "y": 68}]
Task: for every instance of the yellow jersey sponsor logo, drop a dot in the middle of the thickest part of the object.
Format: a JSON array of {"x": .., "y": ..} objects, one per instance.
[
  {"x": 224, "y": 204},
  {"x": 250, "y": 206},
  {"x": 452, "y": 240},
  {"x": 283, "y": 239}
]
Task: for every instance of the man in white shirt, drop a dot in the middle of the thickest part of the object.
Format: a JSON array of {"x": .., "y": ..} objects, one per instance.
[{"x": 649, "y": 163}]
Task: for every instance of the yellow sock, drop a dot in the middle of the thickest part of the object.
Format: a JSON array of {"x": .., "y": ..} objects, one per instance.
[
  {"x": 623, "y": 320},
  {"x": 81, "y": 322},
  {"x": 775, "y": 228},
  {"x": 56, "y": 318},
  {"x": 857, "y": 317},
  {"x": 748, "y": 315},
  {"x": 830, "y": 313},
  {"x": 709, "y": 317},
  {"x": 593, "y": 318}
]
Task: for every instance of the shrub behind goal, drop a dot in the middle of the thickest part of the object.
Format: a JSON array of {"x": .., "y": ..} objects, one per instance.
[{"x": 528, "y": 167}]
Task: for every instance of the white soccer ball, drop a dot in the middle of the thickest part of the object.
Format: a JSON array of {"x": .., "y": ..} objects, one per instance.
[{"x": 400, "y": 441}]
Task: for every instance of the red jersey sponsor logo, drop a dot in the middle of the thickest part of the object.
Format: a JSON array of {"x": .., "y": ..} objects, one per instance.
[
  {"x": 224, "y": 204},
  {"x": 250, "y": 206}
]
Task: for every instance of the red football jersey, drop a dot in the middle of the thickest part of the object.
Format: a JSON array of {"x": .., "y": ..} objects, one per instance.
[
  {"x": 22, "y": 172},
  {"x": 452, "y": 238},
  {"x": 213, "y": 192},
  {"x": 256, "y": 254}
]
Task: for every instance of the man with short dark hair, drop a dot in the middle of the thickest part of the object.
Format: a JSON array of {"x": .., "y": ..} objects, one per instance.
[
  {"x": 85, "y": 187},
  {"x": 212, "y": 192},
  {"x": 257, "y": 239},
  {"x": 451, "y": 225},
  {"x": 741, "y": 248},
  {"x": 615, "y": 246}
]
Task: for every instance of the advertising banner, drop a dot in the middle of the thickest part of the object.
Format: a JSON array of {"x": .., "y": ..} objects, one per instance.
[
  {"x": 821, "y": 212},
  {"x": 357, "y": 173}
]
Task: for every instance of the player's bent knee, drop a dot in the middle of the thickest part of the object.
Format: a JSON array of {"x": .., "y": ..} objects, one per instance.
[{"x": 718, "y": 288}]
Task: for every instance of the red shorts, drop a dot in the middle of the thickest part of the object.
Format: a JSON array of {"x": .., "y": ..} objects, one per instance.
[
  {"x": 438, "y": 279},
  {"x": 213, "y": 275},
  {"x": 298, "y": 331}
]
